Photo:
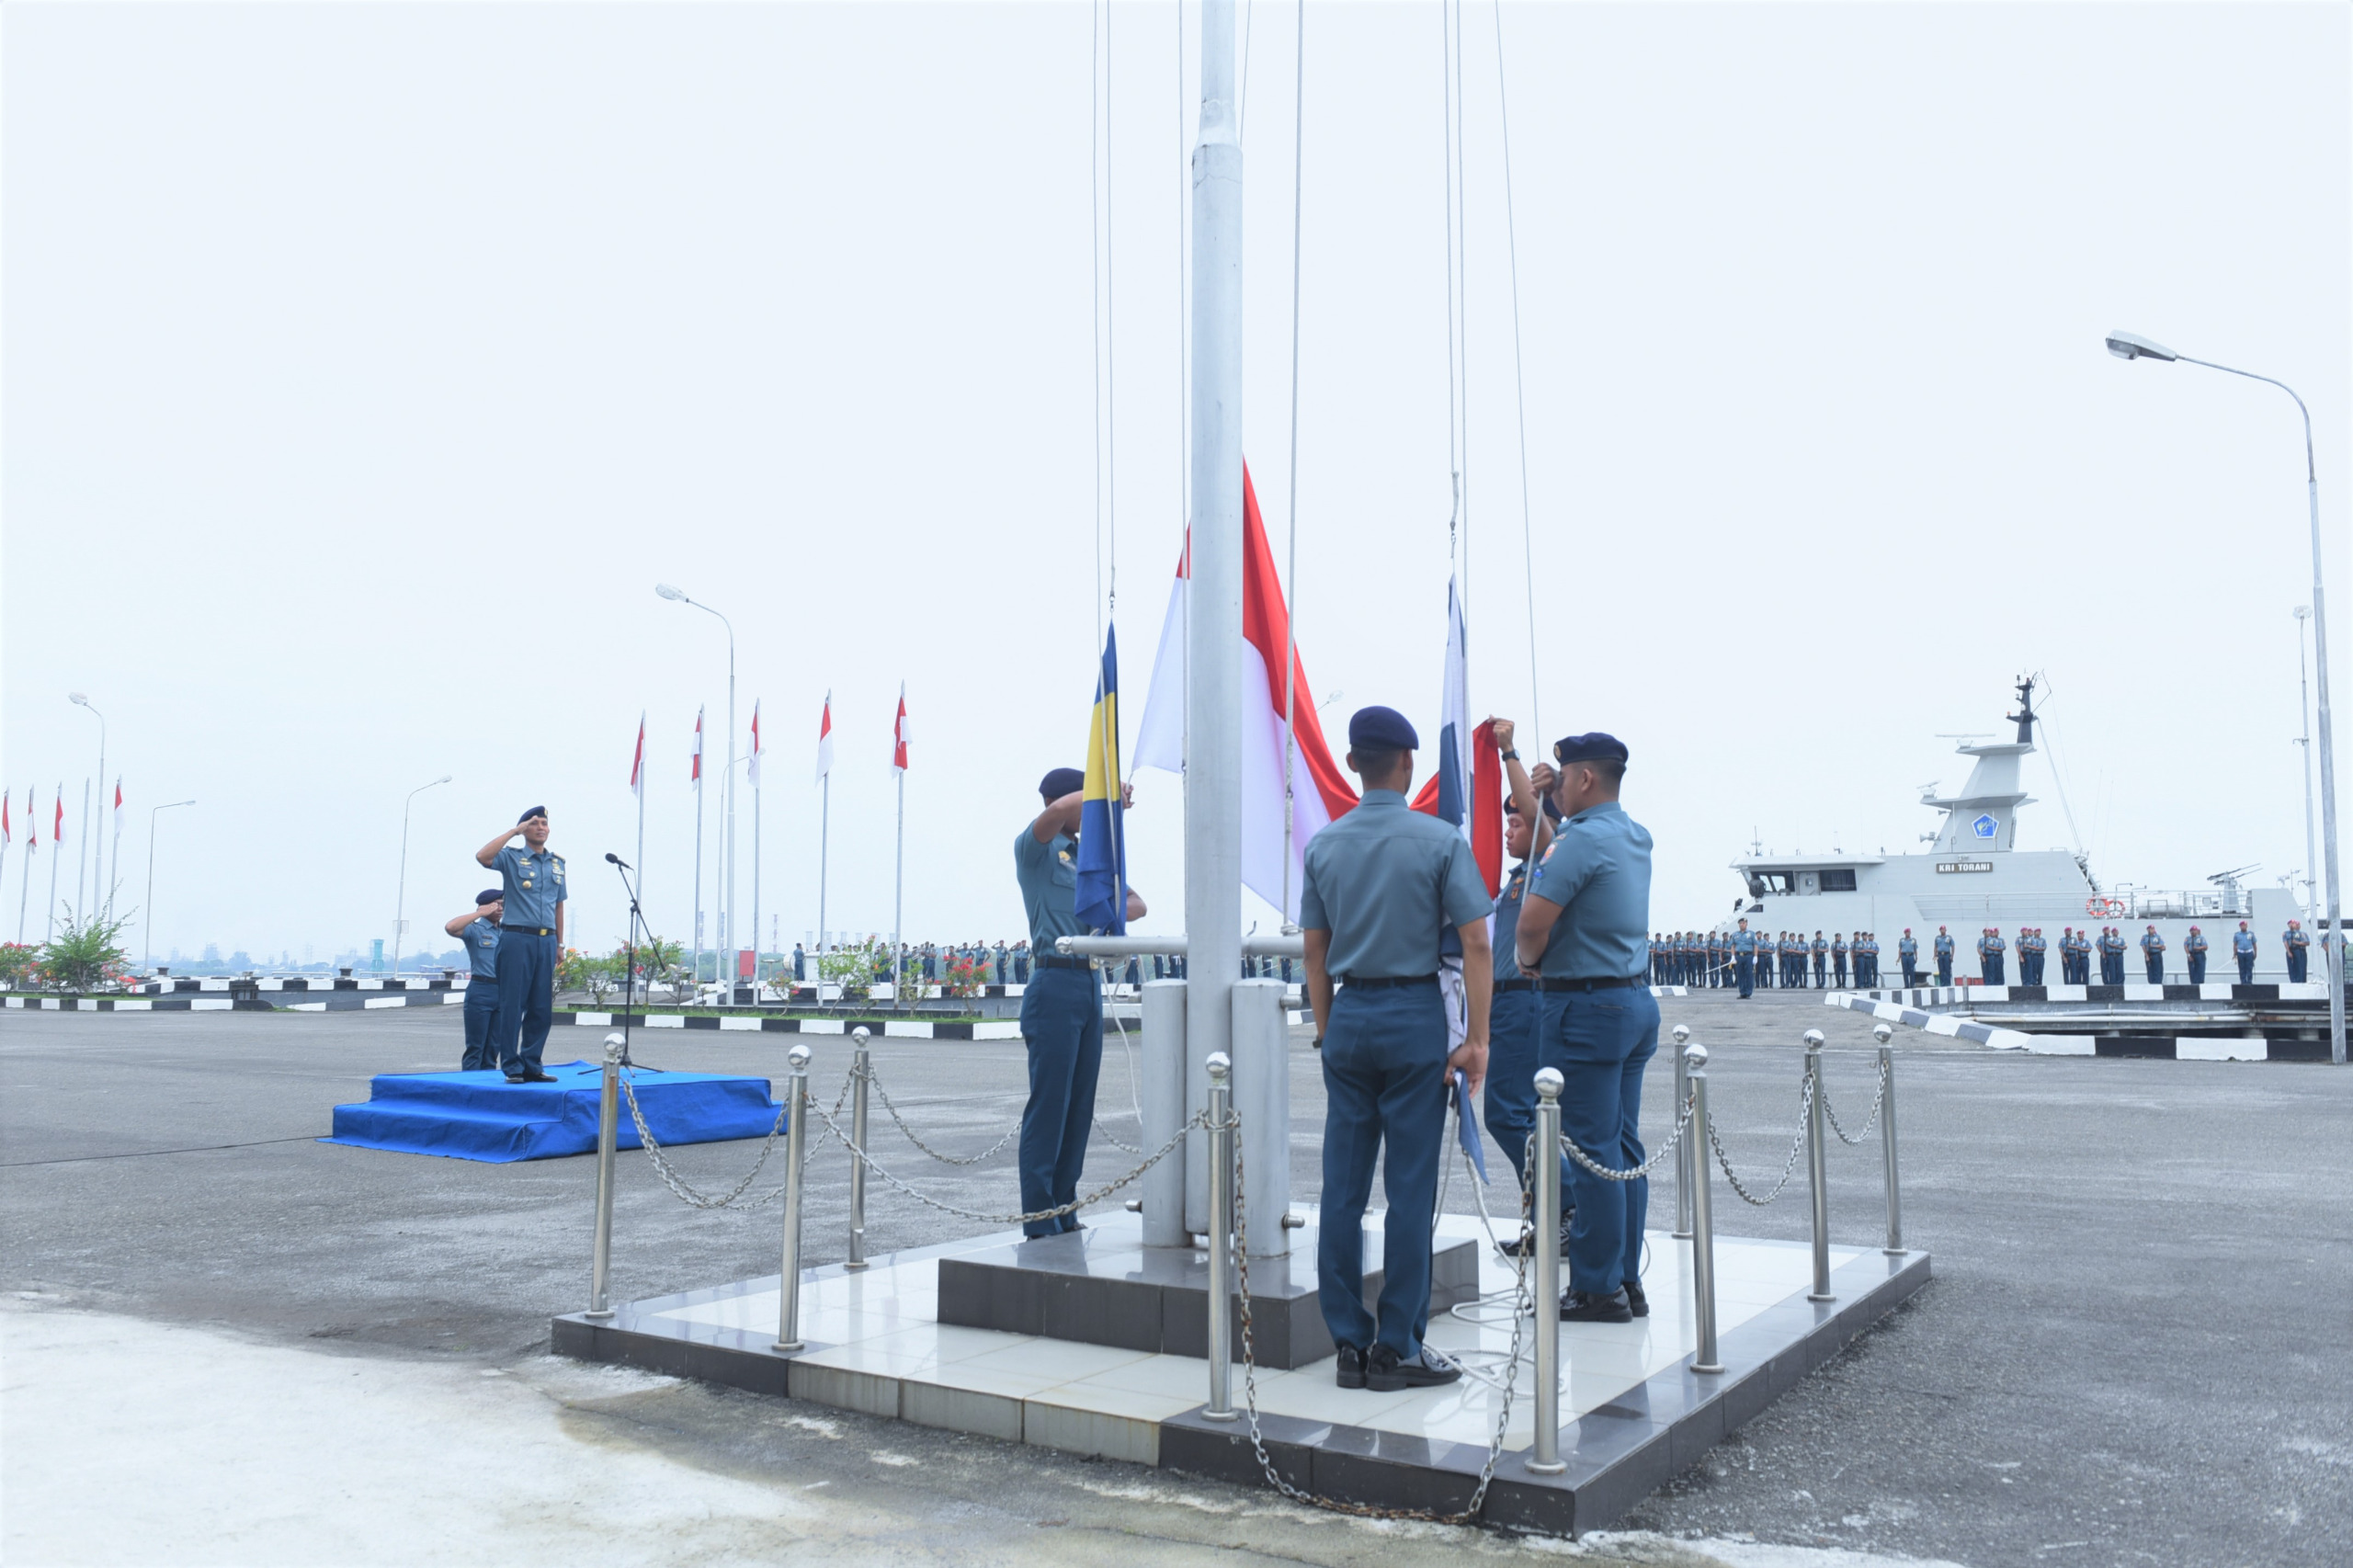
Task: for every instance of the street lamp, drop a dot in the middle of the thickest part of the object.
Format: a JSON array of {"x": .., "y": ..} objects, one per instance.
[
  {"x": 400, "y": 902},
  {"x": 2304, "y": 741},
  {"x": 2131, "y": 346},
  {"x": 727, "y": 914},
  {"x": 82, "y": 862},
  {"x": 147, "y": 913}
]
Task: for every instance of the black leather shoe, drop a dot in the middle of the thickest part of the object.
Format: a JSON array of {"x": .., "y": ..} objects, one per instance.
[
  {"x": 534, "y": 1077},
  {"x": 1527, "y": 1238},
  {"x": 1351, "y": 1370},
  {"x": 1584, "y": 1306},
  {"x": 1636, "y": 1302},
  {"x": 1385, "y": 1373}
]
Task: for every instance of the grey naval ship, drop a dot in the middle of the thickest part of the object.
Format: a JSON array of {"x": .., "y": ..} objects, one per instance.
[{"x": 1976, "y": 876}]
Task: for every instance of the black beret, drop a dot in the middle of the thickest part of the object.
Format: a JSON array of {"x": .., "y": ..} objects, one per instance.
[
  {"x": 527, "y": 817},
  {"x": 1382, "y": 729},
  {"x": 489, "y": 895},
  {"x": 1061, "y": 781},
  {"x": 1593, "y": 748}
]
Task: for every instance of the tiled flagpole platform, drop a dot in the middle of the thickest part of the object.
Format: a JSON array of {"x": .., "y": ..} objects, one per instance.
[{"x": 1633, "y": 1412}]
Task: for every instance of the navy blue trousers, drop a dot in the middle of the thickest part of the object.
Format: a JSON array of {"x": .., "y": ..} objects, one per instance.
[
  {"x": 1989, "y": 968},
  {"x": 482, "y": 1013},
  {"x": 2296, "y": 966},
  {"x": 1385, "y": 1081},
  {"x": 1944, "y": 972},
  {"x": 525, "y": 1001},
  {"x": 2157, "y": 963},
  {"x": 1748, "y": 971},
  {"x": 1062, "y": 1024},
  {"x": 1513, "y": 1022},
  {"x": 1600, "y": 1042},
  {"x": 2197, "y": 968}
]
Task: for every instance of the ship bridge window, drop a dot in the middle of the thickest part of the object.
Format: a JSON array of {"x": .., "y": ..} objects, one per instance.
[
  {"x": 1763, "y": 882},
  {"x": 1838, "y": 881}
]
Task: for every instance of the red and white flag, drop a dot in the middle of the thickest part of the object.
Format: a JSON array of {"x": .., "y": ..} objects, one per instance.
[
  {"x": 57, "y": 827},
  {"x": 752, "y": 769},
  {"x": 118, "y": 806},
  {"x": 32, "y": 825},
  {"x": 7, "y": 831},
  {"x": 899, "y": 734},
  {"x": 697, "y": 775},
  {"x": 637, "y": 761},
  {"x": 826, "y": 740}
]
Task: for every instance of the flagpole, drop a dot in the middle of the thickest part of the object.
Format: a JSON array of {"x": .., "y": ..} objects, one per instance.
[
  {"x": 755, "y": 853},
  {"x": 899, "y": 905},
  {"x": 32, "y": 847},
  {"x": 81, "y": 852},
  {"x": 696, "y": 974},
  {"x": 115, "y": 857},
  {"x": 56, "y": 818},
  {"x": 824, "y": 843},
  {"x": 641, "y": 819}
]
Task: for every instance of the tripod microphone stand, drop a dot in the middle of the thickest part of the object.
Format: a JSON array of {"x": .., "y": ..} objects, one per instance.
[{"x": 629, "y": 975}]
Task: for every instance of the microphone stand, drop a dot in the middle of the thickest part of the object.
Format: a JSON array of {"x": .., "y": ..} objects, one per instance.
[{"x": 629, "y": 975}]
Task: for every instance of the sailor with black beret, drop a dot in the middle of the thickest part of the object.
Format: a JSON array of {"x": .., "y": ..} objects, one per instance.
[
  {"x": 1062, "y": 1005},
  {"x": 1384, "y": 886},
  {"x": 478, "y": 929},
  {"x": 531, "y": 939},
  {"x": 1581, "y": 933}
]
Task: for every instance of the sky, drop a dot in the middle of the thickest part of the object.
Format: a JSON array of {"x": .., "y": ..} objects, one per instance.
[{"x": 363, "y": 368}]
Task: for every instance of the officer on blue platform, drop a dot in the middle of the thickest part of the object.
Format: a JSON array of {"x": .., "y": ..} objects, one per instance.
[
  {"x": 1907, "y": 953},
  {"x": 1062, "y": 1009},
  {"x": 2243, "y": 949},
  {"x": 2298, "y": 948},
  {"x": 1744, "y": 958},
  {"x": 1581, "y": 929},
  {"x": 530, "y": 938},
  {"x": 2153, "y": 953},
  {"x": 1943, "y": 951},
  {"x": 1512, "y": 1014},
  {"x": 478, "y": 929},
  {"x": 1383, "y": 885}
]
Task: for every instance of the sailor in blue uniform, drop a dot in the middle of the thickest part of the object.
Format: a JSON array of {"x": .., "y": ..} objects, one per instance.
[
  {"x": 2243, "y": 949},
  {"x": 2298, "y": 948},
  {"x": 1581, "y": 928},
  {"x": 2111, "y": 956},
  {"x": 1943, "y": 951},
  {"x": 530, "y": 938},
  {"x": 1062, "y": 1010},
  {"x": 1382, "y": 887},
  {"x": 1821, "y": 961},
  {"x": 1512, "y": 1015},
  {"x": 1907, "y": 953},
  {"x": 1990, "y": 948},
  {"x": 2153, "y": 953},
  {"x": 2193, "y": 952},
  {"x": 477, "y": 930},
  {"x": 1744, "y": 958}
]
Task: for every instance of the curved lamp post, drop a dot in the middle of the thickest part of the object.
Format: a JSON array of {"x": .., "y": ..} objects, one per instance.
[
  {"x": 80, "y": 699},
  {"x": 147, "y": 912},
  {"x": 400, "y": 904},
  {"x": 727, "y": 914}
]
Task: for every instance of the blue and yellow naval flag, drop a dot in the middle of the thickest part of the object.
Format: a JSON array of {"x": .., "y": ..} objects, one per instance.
[{"x": 1102, "y": 837}]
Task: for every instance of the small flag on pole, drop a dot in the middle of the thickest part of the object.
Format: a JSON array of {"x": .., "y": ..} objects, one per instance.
[
  {"x": 752, "y": 769},
  {"x": 899, "y": 734},
  {"x": 57, "y": 827},
  {"x": 117, "y": 807},
  {"x": 697, "y": 775},
  {"x": 1102, "y": 901},
  {"x": 826, "y": 738},
  {"x": 7, "y": 833},
  {"x": 637, "y": 761}
]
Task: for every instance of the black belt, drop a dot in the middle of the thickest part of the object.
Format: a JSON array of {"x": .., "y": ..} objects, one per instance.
[
  {"x": 1059, "y": 960},
  {"x": 527, "y": 930},
  {"x": 1548, "y": 983},
  {"x": 1503, "y": 985},
  {"x": 1386, "y": 981}
]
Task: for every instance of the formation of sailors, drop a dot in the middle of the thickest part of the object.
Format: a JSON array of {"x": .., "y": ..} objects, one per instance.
[{"x": 1746, "y": 960}]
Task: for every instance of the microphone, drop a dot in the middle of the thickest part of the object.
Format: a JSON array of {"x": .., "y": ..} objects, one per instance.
[{"x": 618, "y": 861}]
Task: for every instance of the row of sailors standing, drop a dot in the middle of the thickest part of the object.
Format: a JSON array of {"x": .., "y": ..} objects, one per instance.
[
  {"x": 2077, "y": 947},
  {"x": 1745, "y": 958}
]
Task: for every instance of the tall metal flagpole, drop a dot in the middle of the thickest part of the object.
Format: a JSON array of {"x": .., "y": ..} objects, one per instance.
[
  {"x": 697, "y": 971},
  {"x": 756, "y": 849},
  {"x": 899, "y": 894},
  {"x": 32, "y": 847},
  {"x": 824, "y": 843},
  {"x": 82, "y": 854},
  {"x": 641, "y": 816},
  {"x": 1213, "y": 651},
  {"x": 2304, "y": 716},
  {"x": 727, "y": 796},
  {"x": 57, "y": 815}
]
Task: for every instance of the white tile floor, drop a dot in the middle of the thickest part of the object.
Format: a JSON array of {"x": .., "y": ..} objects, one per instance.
[{"x": 884, "y": 1322}]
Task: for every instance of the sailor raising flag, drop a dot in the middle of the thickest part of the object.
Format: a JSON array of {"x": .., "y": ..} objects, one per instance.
[{"x": 1102, "y": 835}]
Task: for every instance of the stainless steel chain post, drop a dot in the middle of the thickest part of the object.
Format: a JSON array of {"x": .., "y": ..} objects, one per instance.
[
  {"x": 609, "y": 1122},
  {"x": 1221, "y": 1235},
  {"x": 1683, "y": 1162},
  {"x": 859, "y": 1078},
  {"x": 1546, "y": 1459},
  {"x": 795, "y": 1146},
  {"x": 1703, "y": 1228},
  {"x": 1817, "y": 1168},
  {"x": 1894, "y": 1248}
]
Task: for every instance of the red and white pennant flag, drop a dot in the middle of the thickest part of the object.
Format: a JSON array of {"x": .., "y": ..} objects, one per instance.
[
  {"x": 826, "y": 740},
  {"x": 637, "y": 761},
  {"x": 899, "y": 734}
]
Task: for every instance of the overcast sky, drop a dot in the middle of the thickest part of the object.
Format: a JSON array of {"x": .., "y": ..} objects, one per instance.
[{"x": 365, "y": 367}]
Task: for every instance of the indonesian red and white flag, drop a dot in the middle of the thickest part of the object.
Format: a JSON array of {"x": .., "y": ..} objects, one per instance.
[
  {"x": 117, "y": 807},
  {"x": 826, "y": 740},
  {"x": 697, "y": 775},
  {"x": 32, "y": 824},
  {"x": 752, "y": 769},
  {"x": 57, "y": 827},
  {"x": 899, "y": 734},
  {"x": 7, "y": 831},
  {"x": 637, "y": 761}
]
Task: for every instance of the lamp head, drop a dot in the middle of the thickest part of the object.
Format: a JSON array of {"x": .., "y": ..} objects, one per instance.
[
  {"x": 2132, "y": 346},
  {"x": 667, "y": 592},
  {"x": 78, "y": 697},
  {"x": 443, "y": 780}
]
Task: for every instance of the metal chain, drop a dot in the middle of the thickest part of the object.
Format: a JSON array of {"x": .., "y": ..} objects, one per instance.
[
  {"x": 1879, "y": 1098},
  {"x": 1011, "y": 1133},
  {"x": 1638, "y": 1172},
  {"x": 1524, "y": 1305},
  {"x": 1037, "y": 1216},
  {"x": 684, "y": 1191},
  {"x": 1805, "y": 1098}
]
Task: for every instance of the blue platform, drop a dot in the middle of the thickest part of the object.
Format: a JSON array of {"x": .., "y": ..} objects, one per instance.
[{"x": 481, "y": 1116}]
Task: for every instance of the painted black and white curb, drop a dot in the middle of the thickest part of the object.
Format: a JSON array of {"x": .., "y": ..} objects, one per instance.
[
  {"x": 2212, "y": 990},
  {"x": 335, "y": 1002},
  {"x": 2163, "y": 1047},
  {"x": 983, "y": 1028}
]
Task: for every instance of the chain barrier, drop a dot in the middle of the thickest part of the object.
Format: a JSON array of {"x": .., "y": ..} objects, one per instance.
[
  {"x": 1037, "y": 1217},
  {"x": 684, "y": 1191},
  {"x": 1638, "y": 1172},
  {"x": 1015, "y": 1131},
  {"x": 1879, "y": 1098},
  {"x": 1805, "y": 1098}
]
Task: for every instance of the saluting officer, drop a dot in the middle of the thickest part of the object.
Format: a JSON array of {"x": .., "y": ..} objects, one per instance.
[
  {"x": 1512, "y": 1015},
  {"x": 530, "y": 938},
  {"x": 2243, "y": 949},
  {"x": 2153, "y": 953},
  {"x": 1943, "y": 951},
  {"x": 478, "y": 929},
  {"x": 1383, "y": 885},
  {"x": 1581, "y": 928},
  {"x": 1062, "y": 1009},
  {"x": 2298, "y": 948}
]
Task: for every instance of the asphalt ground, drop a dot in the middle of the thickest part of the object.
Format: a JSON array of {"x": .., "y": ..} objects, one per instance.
[{"x": 2135, "y": 1348}]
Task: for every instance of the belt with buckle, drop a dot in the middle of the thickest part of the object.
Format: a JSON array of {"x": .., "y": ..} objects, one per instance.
[
  {"x": 1613, "y": 982},
  {"x": 1062, "y": 960},
  {"x": 1521, "y": 984},
  {"x": 1387, "y": 981},
  {"x": 527, "y": 930}
]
